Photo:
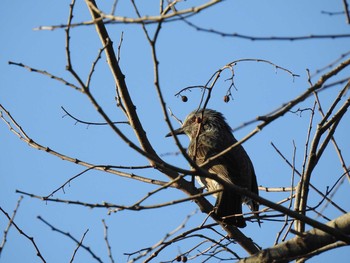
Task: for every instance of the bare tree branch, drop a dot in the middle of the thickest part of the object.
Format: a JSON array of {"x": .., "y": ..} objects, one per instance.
[
  {"x": 17, "y": 130},
  {"x": 316, "y": 150},
  {"x": 302, "y": 245},
  {"x": 67, "y": 234},
  {"x": 268, "y": 118},
  {"x": 107, "y": 241},
  {"x": 311, "y": 185},
  {"x": 346, "y": 11},
  {"x": 88, "y": 122},
  {"x": 78, "y": 246},
  {"x": 4, "y": 239},
  {"x": 264, "y": 38},
  {"x": 31, "y": 239},
  {"x": 43, "y": 72},
  {"x": 147, "y": 151},
  {"x": 212, "y": 239},
  {"x": 166, "y": 15}
]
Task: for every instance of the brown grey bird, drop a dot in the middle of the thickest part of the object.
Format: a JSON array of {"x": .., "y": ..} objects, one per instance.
[{"x": 234, "y": 167}]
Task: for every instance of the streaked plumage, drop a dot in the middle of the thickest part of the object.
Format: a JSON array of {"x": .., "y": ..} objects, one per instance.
[{"x": 234, "y": 167}]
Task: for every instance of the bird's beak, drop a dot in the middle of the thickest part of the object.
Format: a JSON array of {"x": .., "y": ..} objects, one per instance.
[{"x": 176, "y": 132}]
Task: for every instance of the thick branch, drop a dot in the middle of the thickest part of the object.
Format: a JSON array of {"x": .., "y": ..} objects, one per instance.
[
  {"x": 135, "y": 123},
  {"x": 301, "y": 245},
  {"x": 119, "y": 79},
  {"x": 316, "y": 152}
]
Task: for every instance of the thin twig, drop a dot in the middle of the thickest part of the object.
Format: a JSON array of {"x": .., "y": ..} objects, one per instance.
[
  {"x": 264, "y": 38},
  {"x": 31, "y": 239},
  {"x": 114, "y": 7},
  {"x": 69, "y": 66},
  {"x": 116, "y": 206},
  {"x": 346, "y": 11},
  {"x": 4, "y": 239},
  {"x": 67, "y": 234},
  {"x": 342, "y": 161},
  {"x": 78, "y": 246},
  {"x": 18, "y": 131},
  {"x": 143, "y": 252},
  {"x": 120, "y": 46},
  {"x": 93, "y": 66},
  {"x": 88, "y": 122},
  {"x": 298, "y": 191},
  {"x": 311, "y": 185},
  {"x": 137, "y": 204},
  {"x": 43, "y": 72},
  {"x": 330, "y": 65},
  {"x": 107, "y": 241},
  {"x": 290, "y": 197}
]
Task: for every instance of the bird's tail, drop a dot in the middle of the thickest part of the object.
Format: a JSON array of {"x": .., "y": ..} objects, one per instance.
[{"x": 229, "y": 205}]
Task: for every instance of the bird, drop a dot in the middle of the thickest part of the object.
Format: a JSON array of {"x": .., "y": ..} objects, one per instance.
[{"x": 210, "y": 134}]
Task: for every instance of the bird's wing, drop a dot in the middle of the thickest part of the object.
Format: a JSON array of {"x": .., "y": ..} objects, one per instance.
[{"x": 234, "y": 167}]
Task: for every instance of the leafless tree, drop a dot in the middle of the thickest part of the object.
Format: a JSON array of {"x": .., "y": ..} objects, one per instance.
[{"x": 300, "y": 235}]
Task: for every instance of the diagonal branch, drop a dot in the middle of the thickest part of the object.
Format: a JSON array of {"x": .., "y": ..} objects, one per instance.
[
  {"x": 135, "y": 123},
  {"x": 302, "y": 245},
  {"x": 279, "y": 112},
  {"x": 31, "y": 239},
  {"x": 109, "y": 249},
  {"x": 48, "y": 74},
  {"x": 311, "y": 185},
  {"x": 78, "y": 246},
  {"x": 346, "y": 11},
  {"x": 317, "y": 150},
  {"x": 4, "y": 239},
  {"x": 17, "y": 129},
  {"x": 67, "y": 234}
]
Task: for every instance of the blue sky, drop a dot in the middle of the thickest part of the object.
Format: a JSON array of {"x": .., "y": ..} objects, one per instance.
[{"x": 187, "y": 58}]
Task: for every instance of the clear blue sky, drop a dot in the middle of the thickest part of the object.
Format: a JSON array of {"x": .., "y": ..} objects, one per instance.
[{"x": 187, "y": 58}]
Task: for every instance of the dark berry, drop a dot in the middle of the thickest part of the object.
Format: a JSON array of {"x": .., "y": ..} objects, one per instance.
[{"x": 226, "y": 98}]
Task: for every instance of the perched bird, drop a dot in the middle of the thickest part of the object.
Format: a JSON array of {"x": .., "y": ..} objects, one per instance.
[{"x": 209, "y": 135}]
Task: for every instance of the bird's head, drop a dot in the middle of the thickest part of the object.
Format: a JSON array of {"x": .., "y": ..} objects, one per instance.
[{"x": 209, "y": 121}]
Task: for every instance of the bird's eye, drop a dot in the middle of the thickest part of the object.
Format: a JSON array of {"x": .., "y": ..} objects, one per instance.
[
  {"x": 193, "y": 119},
  {"x": 198, "y": 120}
]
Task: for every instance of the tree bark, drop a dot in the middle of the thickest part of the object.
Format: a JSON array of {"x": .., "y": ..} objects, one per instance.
[{"x": 300, "y": 246}]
